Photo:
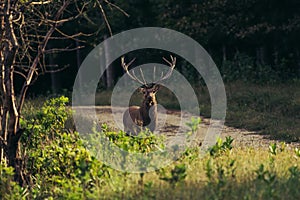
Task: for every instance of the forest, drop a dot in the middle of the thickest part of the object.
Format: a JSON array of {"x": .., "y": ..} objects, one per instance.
[
  {"x": 255, "y": 41},
  {"x": 44, "y": 154}
]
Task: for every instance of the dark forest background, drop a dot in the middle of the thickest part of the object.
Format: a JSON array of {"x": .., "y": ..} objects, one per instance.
[{"x": 250, "y": 40}]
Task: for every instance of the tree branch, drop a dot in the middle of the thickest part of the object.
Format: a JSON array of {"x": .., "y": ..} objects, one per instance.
[
  {"x": 57, "y": 50},
  {"x": 117, "y": 7},
  {"x": 105, "y": 18},
  {"x": 41, "y": 50}
]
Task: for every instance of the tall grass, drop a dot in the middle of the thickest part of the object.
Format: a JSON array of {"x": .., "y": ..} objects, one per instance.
[
  {"x": 268, "y": 109},
  {"x": 239, "y": 173}
]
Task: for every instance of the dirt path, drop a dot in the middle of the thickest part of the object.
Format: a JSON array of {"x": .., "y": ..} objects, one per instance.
[{"x": 168, "y": 125}]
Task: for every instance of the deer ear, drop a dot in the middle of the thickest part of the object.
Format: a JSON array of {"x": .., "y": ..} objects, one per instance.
[
  {"x": 141, "y": 90},
  {"x": 156, "y": 88}
]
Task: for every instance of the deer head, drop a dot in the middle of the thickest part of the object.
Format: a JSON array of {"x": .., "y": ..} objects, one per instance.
[
  {"x": 149, "y": 92},
  {"x": 135, "y": 117}
]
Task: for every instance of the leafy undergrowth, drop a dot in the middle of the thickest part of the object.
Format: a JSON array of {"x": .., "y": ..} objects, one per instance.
[
  {"x": 59, "y": 166},
  {"x": 222, "y": 173}
]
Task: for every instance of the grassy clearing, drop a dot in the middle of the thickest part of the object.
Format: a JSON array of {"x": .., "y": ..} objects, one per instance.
[
  {"x": 270, "y": 109},
  {"x": 267, "y": 109},
  {"x": 234, "y": 174},
  {"x": 60, "y": 167}
]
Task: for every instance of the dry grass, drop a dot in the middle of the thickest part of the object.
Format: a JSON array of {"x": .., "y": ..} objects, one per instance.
[
  {"x": 224, "y": 180},
  {"x": 267, "y": 109}
]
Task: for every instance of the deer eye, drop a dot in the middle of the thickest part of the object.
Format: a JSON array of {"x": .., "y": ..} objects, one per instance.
[{"x": 144, "y": 91}]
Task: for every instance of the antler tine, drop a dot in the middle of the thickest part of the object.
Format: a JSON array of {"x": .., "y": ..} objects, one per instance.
[
  {"x": 173, "y": 61},
  {"x": 125, "y": 67},
  {"x": 172, "y": 64},
  {"x": 134, "y": 77},
  {"x": 154, "y": 73},
  {"x": 142, "y": 74},
  {"x": 131, "y": 62}
]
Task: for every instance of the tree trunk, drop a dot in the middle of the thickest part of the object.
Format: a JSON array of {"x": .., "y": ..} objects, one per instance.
[
  {"x": 224, "y": 56},
  {"x": 275, "y": 55},
  {"x": 55, "y": 85},
  {"x": 260, "y": 56},
  {"x": 10, "y": 133},
  {"x": 109, "y": 70},
  {"x": 15, "y": 158},
  {"x": 298, "y": 61},
  {"x": 78, "y": 60}
]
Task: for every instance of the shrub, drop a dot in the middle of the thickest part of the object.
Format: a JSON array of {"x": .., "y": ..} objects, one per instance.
[
  {"x": 58, "y": 164},
  {"x": 8, "y": 188}
]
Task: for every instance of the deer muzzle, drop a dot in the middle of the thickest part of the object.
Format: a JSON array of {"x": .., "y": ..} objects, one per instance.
[{"x": 150, "y": 101}]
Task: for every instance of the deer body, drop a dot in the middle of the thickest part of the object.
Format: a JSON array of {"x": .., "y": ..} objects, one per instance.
[{"x": 137, "y": 117}]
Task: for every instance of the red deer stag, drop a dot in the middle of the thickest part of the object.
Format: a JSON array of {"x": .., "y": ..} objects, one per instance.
[{"x": 137, "y": 117}]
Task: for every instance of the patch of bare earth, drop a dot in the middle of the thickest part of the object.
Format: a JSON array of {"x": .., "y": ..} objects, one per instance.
[{"x": 169, "y": 126}]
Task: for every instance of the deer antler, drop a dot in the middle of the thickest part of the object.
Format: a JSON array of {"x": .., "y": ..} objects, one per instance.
[
  {"x": 172, "y": 64},
  {"x": 132, "y": 76}
]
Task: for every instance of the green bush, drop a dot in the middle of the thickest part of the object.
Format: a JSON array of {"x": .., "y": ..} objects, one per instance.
[
  {"x": 57, "y": 161},
  {"x": 144, "y": 143},
  {"x": 8, "y": 188}
]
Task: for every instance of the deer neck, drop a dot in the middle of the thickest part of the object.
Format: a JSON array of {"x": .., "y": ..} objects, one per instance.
[{"x": 148, "y": 112}]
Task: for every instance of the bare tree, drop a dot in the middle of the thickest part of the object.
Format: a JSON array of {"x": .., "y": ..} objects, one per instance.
[{"x": 27, "y": 28}]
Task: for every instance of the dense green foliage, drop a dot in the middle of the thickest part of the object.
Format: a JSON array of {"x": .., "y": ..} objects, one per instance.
[
  {"x": 253, "y": 41},
  {"x": 58, "y": 164},
  {"x": 60, "y": 167}
]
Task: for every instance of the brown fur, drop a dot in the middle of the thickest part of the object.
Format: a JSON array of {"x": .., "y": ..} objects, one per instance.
[{"x": 136, "y": 118}]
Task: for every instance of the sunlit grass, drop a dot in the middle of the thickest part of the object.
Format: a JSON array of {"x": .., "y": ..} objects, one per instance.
[{"x": 242, "y": 180}]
